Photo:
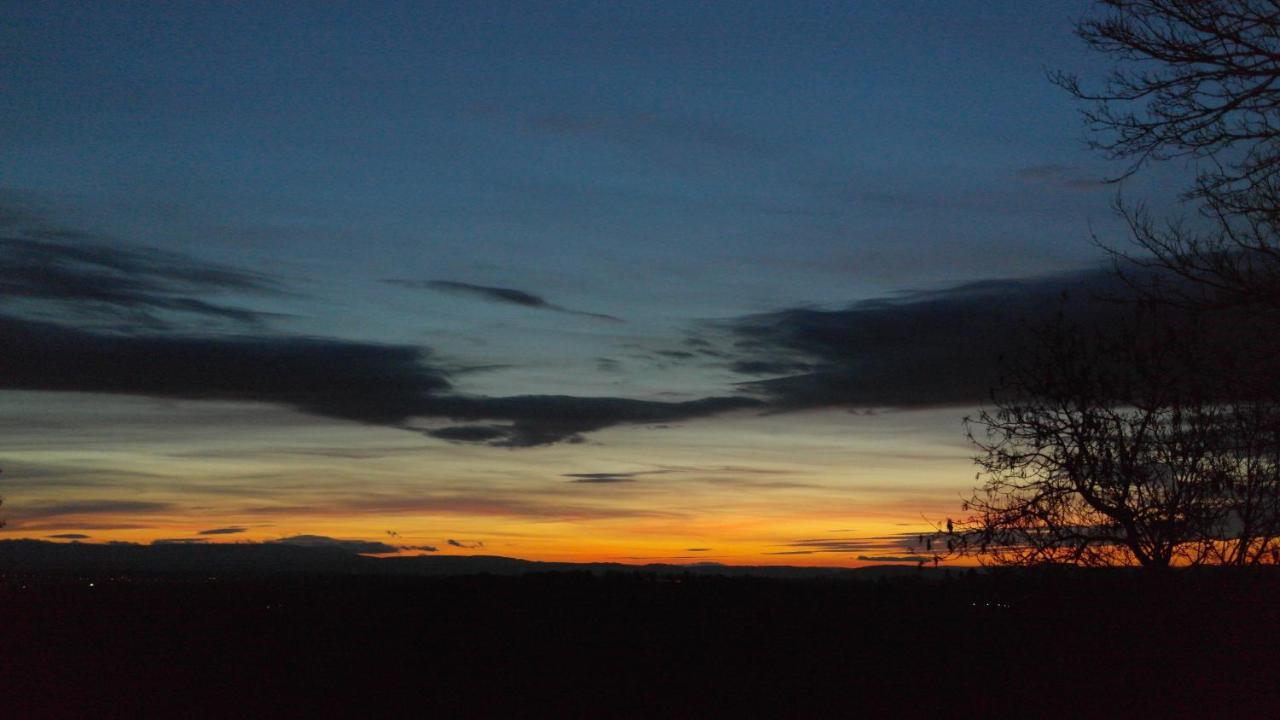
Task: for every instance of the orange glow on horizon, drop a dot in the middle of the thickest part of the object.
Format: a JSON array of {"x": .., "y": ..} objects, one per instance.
[{"x": 742, "y": 490}]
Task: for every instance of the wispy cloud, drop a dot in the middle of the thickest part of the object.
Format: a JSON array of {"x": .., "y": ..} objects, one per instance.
[
  {"x": 94, "y": 279},
  {"x": 475, "y": 503},
  {"x": 222, "y": 531},
  {"x": 610, "y": 477},
  {"x": 877, "y": 544},
  {"x": 506, "y": 296}
]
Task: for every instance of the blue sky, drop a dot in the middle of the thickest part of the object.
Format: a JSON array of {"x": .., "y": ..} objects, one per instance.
[{"x": 581, "y": 200}]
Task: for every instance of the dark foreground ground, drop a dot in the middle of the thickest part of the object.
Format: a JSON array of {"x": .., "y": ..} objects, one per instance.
[{"x": 578, "y": 645}]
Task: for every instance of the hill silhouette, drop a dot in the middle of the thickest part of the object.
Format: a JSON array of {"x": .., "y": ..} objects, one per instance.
[{"x": 273, "y": 558}]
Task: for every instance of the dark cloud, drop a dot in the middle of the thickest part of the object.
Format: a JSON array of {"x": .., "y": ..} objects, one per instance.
[
  {"x": 421, "y": 548},
  {"x": 618, "y": 477},
  {"x": 364, "y": 382},
  {"x": 355, "y": 546},
  {"x": 70, "y": 536},
  {"x": 178, "y": 541},
  {"x": 222, "y": 531},
  {"x": 466, "y": 544},
  {"x": 506, "y": 296},
  {"x": 82, "y": 314},
  {"x": 493, "y": 294},
  {"x": 893, "y": 558},
  {"x": 601, "y": 478},
  {"x": 698, "y": 549},
  {"x": 546, "y": 419},
  {"x": 91, "y": 281},
  {"x": 470, "y": 433},
  {"x": 921, "y": 349},
  {"x": 677, "y": 354}
]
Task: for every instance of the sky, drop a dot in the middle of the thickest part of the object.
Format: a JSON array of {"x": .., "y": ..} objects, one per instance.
[{"x": 635, "y": 282}]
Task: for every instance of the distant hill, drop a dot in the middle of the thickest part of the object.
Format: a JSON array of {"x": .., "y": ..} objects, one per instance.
[{"x": 40, "y": 557}]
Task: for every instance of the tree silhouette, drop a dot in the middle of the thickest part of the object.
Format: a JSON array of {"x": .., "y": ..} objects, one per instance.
[
  {"x": 1123, "y": 445},
  {"x": 1105, "y": 447},
  {"x": 1194, "y": 78},
  {"x": 1197, "y": 79},
  {"x": 1158, "y": 441}
]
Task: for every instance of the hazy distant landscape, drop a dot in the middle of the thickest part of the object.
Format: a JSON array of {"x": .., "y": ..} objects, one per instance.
[
  {"x": 257, "y": 631},
  {"x": 42, "y": 558}
]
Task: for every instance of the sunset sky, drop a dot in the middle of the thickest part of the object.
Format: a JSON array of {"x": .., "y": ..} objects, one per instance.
[{"x": 643, "y": 282}]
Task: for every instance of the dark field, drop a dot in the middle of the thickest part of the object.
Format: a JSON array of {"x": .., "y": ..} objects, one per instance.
[{"x": 582, "y": 645}]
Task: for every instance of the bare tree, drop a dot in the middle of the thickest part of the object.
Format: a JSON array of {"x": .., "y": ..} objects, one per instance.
[
  {"x": 1197, "y": 79},
  {"x": 1123, "y": 445},
  {"x": 1232, "y": 264},
  {"x": 1089, "y": 457},
  {"x": 1242, "y": 526},
  {"x": 1157, "y": 441},
  {"x": 1194, "y": 78}
]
